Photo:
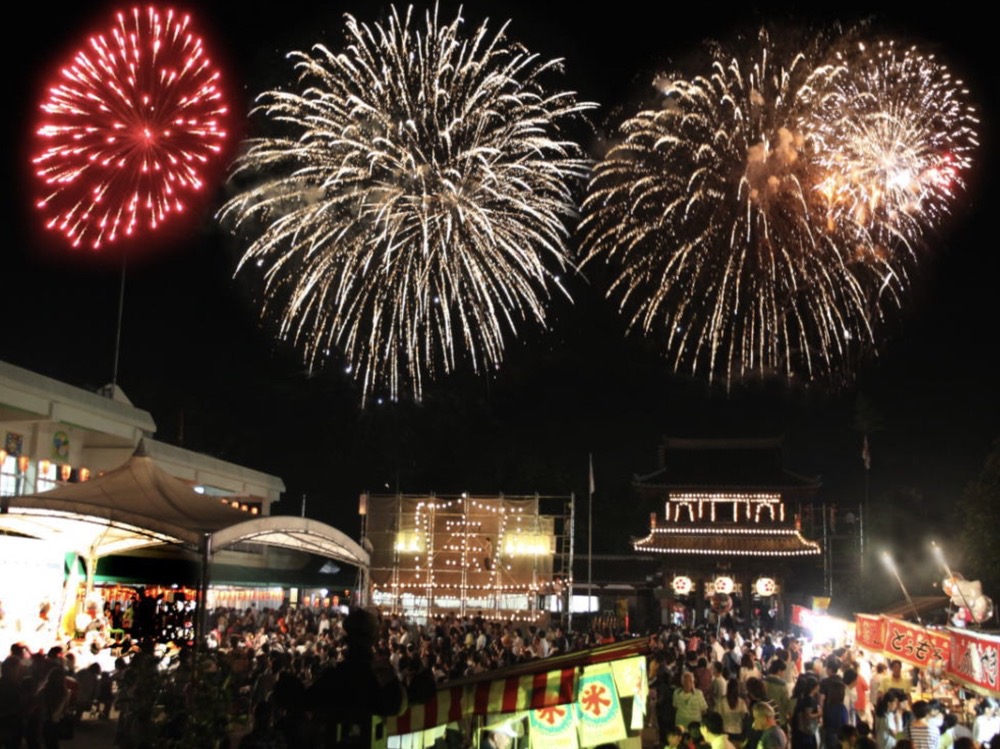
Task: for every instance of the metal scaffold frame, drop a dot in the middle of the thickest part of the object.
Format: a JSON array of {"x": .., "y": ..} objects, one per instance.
[{"x": 494, "y": 557}]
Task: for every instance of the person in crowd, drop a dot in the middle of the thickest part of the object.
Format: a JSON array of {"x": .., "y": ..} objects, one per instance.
[
  {"x": 935, "y": 718},
  {"x": 857, "y": 697},
  {"x": 920, "y": 731},
  {"x": 717, "y": 692},
  {"x": 53, "y": 704},
  {"x": 12, "y": 702},
  {"x": 896, "y": 679},
  {"x": 734, "y": 712},
  {"x": 951, "y": 729},
  {"x": 987, "y": 722},
  {"x": 697, "y": 736},
  {"x": 847, "y": 737},
  {"x": 703, "y": 677},
  {"x": 834, "y": 711},
  {"x": 806, "y": 714},
  {"x": 889, "y": 727},
  {"x": 748, "y": 667},
  {"x": 689, "y": 703},
  {"x": 777, "y": 691},
  {"x": 876, "y": 690},
  {"x": 263, "y": 734},
  {"x": 765, "y": 723},
  {"x": 346, "y": 693},
  {"x": 676, "y": 739},
  {"x": 713, "y": 732}
]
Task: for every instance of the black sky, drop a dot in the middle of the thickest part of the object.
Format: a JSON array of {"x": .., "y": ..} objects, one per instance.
[{"x": 196, "y": 355}]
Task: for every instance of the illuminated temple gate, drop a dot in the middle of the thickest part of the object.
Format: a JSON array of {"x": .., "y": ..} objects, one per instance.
[
  {"x": 466, "y": 554},
  {"x": 730, "y": 532}
]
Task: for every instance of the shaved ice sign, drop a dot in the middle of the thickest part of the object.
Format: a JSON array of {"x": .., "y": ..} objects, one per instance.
[{"x": 598, "y": 709}]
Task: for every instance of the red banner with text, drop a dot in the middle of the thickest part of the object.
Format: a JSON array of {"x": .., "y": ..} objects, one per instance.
[
  {"x": 799, "y": 615},
  {"x": 975, "y": 661},
  {"x": 869, "y": 631},
  {"x": 914, "y": 644}
]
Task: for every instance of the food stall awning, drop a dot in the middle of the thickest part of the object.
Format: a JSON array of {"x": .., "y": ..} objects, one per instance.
[{"x": 543, "y": 683}]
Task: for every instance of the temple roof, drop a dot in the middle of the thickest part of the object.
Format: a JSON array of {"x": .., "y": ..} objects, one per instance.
[
  {"x": 723, "y": 464},
  {"x": 720, "y": 539}
]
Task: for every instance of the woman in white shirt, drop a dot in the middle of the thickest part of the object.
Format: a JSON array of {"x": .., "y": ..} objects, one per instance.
[
  {"x": 889, "y": 720},
  {"x": 987, "y": 723},
  {"x": 734, "y": 710}
]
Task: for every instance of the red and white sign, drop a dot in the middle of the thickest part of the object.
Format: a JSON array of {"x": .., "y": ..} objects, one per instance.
[
  {"x": 975, "y": 661},
  {"x": 914, "y": 644},
  {"x": 869, "y": 631}
]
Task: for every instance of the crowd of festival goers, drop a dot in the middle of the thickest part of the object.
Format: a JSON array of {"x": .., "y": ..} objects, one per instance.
[
  {"x": 723, "y": 691},
  {"x": 290, "y": 669}
]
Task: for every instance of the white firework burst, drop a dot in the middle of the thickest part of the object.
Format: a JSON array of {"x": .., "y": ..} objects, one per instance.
[
  {"x": 754, "y": 219},
  {"x": 893, "y": 139},
  {"x": 413, "y": 210},
  {"x": 706, "y": 211}
]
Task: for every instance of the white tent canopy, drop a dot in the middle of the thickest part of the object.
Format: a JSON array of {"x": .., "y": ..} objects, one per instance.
[
  {"x": 139, "y": 505},
  {"x": 291, "y": 532}
]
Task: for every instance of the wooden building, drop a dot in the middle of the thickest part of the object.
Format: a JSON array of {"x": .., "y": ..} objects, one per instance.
[{"x": 729, "y": 531}]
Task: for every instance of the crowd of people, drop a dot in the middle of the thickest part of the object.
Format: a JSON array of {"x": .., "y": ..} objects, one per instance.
[
  {"x": 722, "y": 690},
  {"x": 270, "y": 660},
  {"x": 301, "y": 672}
]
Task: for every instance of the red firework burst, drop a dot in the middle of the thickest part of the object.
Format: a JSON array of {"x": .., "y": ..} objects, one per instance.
[{"x": 129, "y": 128}]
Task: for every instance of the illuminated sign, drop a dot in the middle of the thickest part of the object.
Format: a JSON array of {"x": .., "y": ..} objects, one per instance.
[
  {"x": 527, "y": 544},
  {"x": 409, "y": 542}
]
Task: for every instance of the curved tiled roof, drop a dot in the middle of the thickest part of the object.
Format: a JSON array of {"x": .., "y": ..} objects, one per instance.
[
  {"x": 727, "y": 540},
  {"x": 705, "y": 464}
]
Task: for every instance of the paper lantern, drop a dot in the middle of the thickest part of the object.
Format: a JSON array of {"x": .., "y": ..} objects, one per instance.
[
  {"x": 765, "y": 586},
  {"x": 724, "y": 584},
  {"x": 682, "y": 585}
]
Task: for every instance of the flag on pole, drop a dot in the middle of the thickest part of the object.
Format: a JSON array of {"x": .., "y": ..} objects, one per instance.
[
  {"x": 591, "y": 474},
  {"x": 866, "y": 455}
]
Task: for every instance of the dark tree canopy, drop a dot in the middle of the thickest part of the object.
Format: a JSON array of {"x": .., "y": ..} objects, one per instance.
[{"x": 981, "y": 515}]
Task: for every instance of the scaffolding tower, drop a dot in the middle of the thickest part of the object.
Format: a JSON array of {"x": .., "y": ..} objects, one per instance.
[{"x": 499, "y": 557}]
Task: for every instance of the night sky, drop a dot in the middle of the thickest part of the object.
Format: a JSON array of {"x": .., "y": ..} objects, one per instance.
[{"x": 197, "y": 356}]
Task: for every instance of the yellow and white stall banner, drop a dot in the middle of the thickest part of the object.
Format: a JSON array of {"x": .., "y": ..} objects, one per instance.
[{"x": 598, "y": 708}]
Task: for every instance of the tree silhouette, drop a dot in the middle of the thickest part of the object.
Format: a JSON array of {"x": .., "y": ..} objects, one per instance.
[{"x": 981, "y": 518}]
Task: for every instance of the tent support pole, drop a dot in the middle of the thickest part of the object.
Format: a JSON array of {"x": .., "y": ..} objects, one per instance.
[{"x": 201, "y": 621}]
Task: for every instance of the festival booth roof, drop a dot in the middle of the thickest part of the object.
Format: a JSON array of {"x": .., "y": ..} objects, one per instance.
[
  {"x": 139, "y": 505},
  {"x": 537, "y": 685}
]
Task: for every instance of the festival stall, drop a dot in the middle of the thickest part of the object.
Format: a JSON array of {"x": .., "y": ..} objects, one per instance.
[
  {"x": 949, "y": 658},
  {"x": 573, "y": 701},
  {"x": 974, "y": 660}
]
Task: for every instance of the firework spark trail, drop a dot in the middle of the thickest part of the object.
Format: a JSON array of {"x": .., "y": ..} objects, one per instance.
[
  {"x": 726, "y": 217},
  {"x": 412, "y": 210},
  {"x": 129, "y": 128}
]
